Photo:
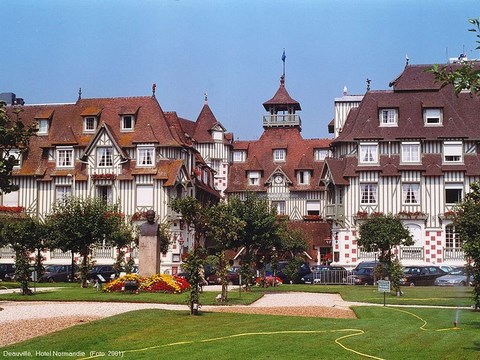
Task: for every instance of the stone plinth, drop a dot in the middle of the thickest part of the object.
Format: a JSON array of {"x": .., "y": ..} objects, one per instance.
[{"x": 148, "y": 255}]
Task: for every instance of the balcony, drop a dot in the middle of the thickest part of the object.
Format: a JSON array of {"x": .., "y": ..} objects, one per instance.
[
  {"x": 59, "y": 254},
  {"x": 453, "y": 254},
  {"x": 364, "y": 255},
  {"x": 335, "y": 212},
  {"x": 411, "y": 253},
  {"x": 7, "y": 252},
  {"x": 281, "y": 120},
  {"x": 103, "y": 252}
]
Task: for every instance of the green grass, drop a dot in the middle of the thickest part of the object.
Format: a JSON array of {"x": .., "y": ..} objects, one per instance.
[{"x": 385, "y": 333}]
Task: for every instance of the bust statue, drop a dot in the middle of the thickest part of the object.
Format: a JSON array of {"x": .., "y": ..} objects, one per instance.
[{"x": 150, "y": 227}]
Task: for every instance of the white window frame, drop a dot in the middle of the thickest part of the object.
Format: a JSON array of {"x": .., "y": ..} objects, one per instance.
[
  {"x": 123, "y": 122},
  {"x": 279, "y": 154},
  {"x": 411, "y": 152},
  {"x": 17, "y": 155},
  {"x": 217, "y": 135},
  {"x": 105, "y": 156},
  {"x": 452, "y": 152},
  {"x": 145, "y": 156},
  {"x": 42, "y": 126},
  {"x": 280, "y": 206},
  {"x": 313, "y": 207},
  {"x": 411, "y": 194},
  {"x": 368, "y": 193},
  {"x": 458, "y": 188},
  {"x": 368, "y": 153},
  {"x": 144, "y": 195},
  {"x": 215, "y": 164},
  {"x": 238, "y": 156},
  {"x": 303, "y": 177},
  {"x": 433, "y": 116},
  {"x": 321, "y": 154},
  {"x": 89, "y": 124},
  {"x": 62, "y": 191},
  {"x": 253, "y": 178},
  {"x": 388, "y": 117},
  {"x": 64, "y": 157},
  {"x": 452, "y": 237}
]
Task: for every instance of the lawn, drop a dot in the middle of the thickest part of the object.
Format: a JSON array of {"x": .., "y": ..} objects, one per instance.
[{"x": 378, "y": 333}]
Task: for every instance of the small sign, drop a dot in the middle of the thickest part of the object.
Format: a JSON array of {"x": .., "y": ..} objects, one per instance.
[{"x": 383, "y": 286}]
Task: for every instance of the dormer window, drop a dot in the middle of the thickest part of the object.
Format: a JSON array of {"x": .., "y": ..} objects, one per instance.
[
  {"x": 368, "y": 153},
  {"x": 104, "y": 156},
  {"x": 452, "y": 151},
  {"x": 279, "y": 154},
  {"x": 388, "y": 117},
  {"x": 42, "y": 126},
  {"x": 217, "y": 135},
  {"x": 254, "y": 178},
  {"x": 64, "y": 157},
  {"x": 303, "y": 177},
  {"x": 239, "y": 156},
  {"x": 321, "y": 154},
  {"x": 89, "y": 124},
  {"x": 128, "y": 122},
  {"x": 433, "y": 117},
  {"x": 17, "y": 155},
  {"x": 146, "y": 156}
]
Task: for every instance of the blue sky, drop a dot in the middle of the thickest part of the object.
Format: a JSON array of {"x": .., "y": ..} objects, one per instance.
[{"x": 229, "y": 49}]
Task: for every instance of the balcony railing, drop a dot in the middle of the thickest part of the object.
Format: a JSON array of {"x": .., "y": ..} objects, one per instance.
[
  {"x": 59, "y": 254},
  {"x": 282, "y": 120},
  {"x": 364, "y": 255},
  {"x": 104, "y": 252},
  {"x": 7, "y": 252},
  {"x": 335, "y": 212},
  {"x": 453, "y": 254},
  {"x": 411, "y": 253}
]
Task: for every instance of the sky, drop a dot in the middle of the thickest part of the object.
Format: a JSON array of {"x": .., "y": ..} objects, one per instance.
[{"x": 231, "y": 50}]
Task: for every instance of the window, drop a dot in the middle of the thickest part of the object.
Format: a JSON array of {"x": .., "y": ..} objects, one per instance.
[
  {"x": 105, "y": 193},
  {"x": 89, "y": 124},
  {"x": 388, "y": 117},
  {"x": 321, "y": 154},
  {"x": 61, "y": 192},
  {"x": 368, "y": 193},
  {"x": 146, "y": 156},
  {"x": 215, "y": 165},
  {"x": 452, "y": 238},
  {"x": 144, "y": 195},
  {"x": 411, "y": 193},
  {"x": 127, "y": 122},
  {"x": 411, "y": 152},
  {"x": 238, "y": 156},
  {"x": 303, "y": 177},
  {"x": 280, "y": 206},
  {"x": 432, "y": 116},
  {"x": 313, "y": 207},
  {"x": 279, "y": 155},
  {"x": 453, "y": 193},
  {"x": 42, "y": 127},
  {"x": 64, "y": 157},
  {"x": 254, "y": 178},
  {"x": 104, "y": 156},
  {"x": 17, "y": 155},
  {"x": 368, "y": 153},
  {"x": 452, "y": 151},
  {"x": 217, "y": 135}
]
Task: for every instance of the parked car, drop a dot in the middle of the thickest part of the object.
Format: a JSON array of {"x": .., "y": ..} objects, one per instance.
[
  {"x": 456, "y": 277},
  {"x": 105, "y": 271},
  {"x": 6, "y": 269},
  {"x": 365, "y": 264},
  {"x": 421, "y": 275},
  {"x": 326, "y": 274},
  {"x": 363, "y": 276},
  {"x": 303, "y": 270},
  {"x": 58, "y": 273}
]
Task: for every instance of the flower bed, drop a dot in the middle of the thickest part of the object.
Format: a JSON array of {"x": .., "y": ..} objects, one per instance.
[{"x": 155, "y": 283}]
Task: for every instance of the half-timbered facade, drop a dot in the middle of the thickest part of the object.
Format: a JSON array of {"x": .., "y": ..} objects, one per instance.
[
  {"x": 124, "y": 150},
  {"x": 411, "y": 151},
  {"x": 285, "y": 168}
]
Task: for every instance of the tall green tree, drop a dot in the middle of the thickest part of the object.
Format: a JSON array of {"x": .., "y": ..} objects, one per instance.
[
  {"x": 467, "y": 224},
  {"x": 261, "y": 233},
  {"x": 381, "y": 234},
  {"x": 77, "y": 225},
  {"x": 24, "y": 235},
  {"x": 14, "y": 135},
  {"x": 222, "y": 229}
]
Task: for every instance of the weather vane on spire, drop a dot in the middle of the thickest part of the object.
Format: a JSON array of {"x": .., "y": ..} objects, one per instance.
[{"x": 283, "y": 59}]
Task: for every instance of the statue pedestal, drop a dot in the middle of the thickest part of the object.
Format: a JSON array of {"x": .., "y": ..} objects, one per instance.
[{"x": 148, "y": 255}]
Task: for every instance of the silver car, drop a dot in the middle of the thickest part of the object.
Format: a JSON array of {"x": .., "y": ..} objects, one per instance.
[{"x": 456, "y": 277}]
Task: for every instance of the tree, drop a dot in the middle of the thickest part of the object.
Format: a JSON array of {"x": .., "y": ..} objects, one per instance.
[
  {"x": 293, "y": 243},
  {"x": 222, "y": 229},
  {"x": 381, "y": 233},
  {"x": 24, "y": 235},
  {"x": 77, "y": 225},
  {"x": 467, "y": 224},
  {"x": 14, "y": 136},
  {"x": 261, "y": 232},
  {"x": 467, "y": 75}
]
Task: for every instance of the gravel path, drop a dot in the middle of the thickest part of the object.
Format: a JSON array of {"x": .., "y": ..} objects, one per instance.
[{"x": 17, "y": 325}]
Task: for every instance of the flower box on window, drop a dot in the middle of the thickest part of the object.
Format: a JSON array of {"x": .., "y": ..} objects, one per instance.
[
  {"x": 104, "y": 177},
  {"x": 418, "y": 215},
  {"x": 312, "y": 217}
]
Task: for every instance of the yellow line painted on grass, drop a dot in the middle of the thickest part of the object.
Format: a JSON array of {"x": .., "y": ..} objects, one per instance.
[{"x": 337, "y": 341}]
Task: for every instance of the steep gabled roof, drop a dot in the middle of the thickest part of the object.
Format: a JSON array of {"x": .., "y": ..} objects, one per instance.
[{"x": 282, "y": 99}]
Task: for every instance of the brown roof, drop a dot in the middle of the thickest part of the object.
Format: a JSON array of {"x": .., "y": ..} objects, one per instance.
[
  {"x": 315, "y": 232},
  {"x": 299, "y": 156},
  {"x": 281, "y": 100}
]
